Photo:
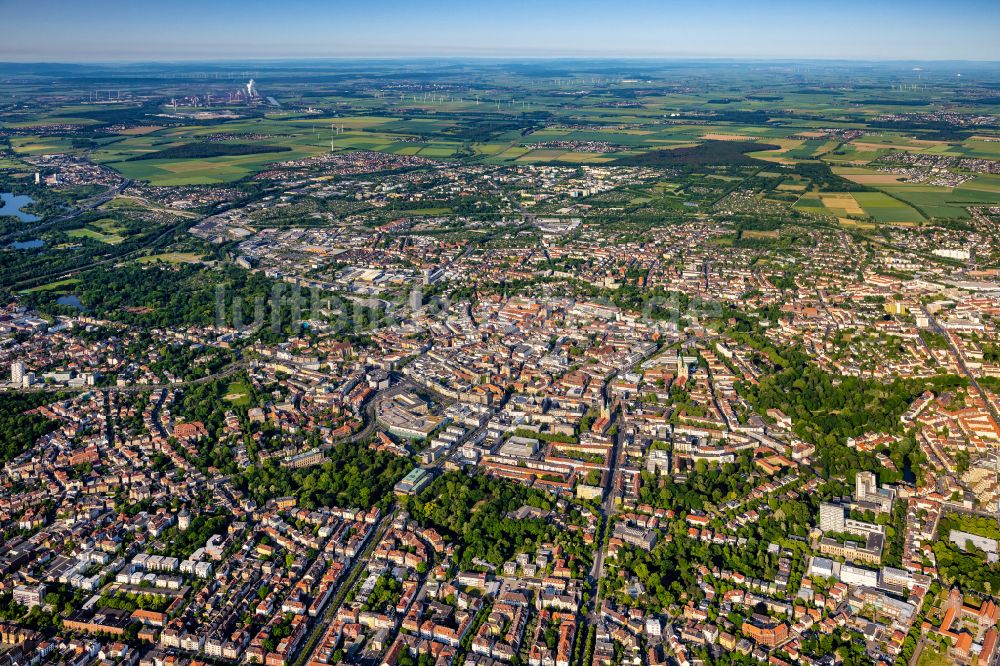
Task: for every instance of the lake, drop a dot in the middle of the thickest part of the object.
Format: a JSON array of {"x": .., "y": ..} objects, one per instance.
[{"x": 12, "y": 205}]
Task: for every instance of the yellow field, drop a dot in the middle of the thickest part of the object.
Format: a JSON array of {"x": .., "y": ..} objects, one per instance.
[
  {"x": 844, "y": 202},
  {"x": 874, "y": 178},
  {"x": 586, "y": 158},
  {"x": 847, "y": 222},
  {"x": 729, "y": 137},
  {"x": 172, "y": 258},
  {"x": 777, "y": 155}
]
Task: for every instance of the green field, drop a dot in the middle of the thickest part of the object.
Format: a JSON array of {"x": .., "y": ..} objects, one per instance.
[
  {"x": 57, "y": 285},
  {"x": 634, "y": 118},
  {"x": 238, "y": 394},
  {"x": 105, "y": 231},
  {"x": 887, "y": 210},
  {"x": 942, "y": 202}
]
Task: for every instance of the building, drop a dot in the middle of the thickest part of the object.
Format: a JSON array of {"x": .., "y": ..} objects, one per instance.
[
  {"x": 963, "y": 539},
  {"x": 104, "y": 621},
  {"x": 304, "y": 459},
  {"x": 634, "y": 536},
  {"x": 858, "y": 576},
  {"x": 414, "y": 482},
  {"x": 823, "y": 567},
  {"x": 407, "y": 415},
  {"x": 29, "y": 596},
  {"x": 870, "y": 551},
  {"x": 17, "y": 371},
  {"x": 765, "y": 631},
  {"x": 658, "y": 461},
  {"x": 897, "y": 578},
  {"x": 869, "y": 496},
  {"x": 949, "y": 253},
  {"x": 831, "y": 517},
  {"x": 866, "y": 486}
]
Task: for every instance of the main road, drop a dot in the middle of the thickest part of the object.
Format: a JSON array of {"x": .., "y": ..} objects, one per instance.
[
  {"x": 229, "y": 370},
  {"x": 607, "y": 512},
  {"x": 607, "y": 506},
  {"x": 358, "y": 565}
]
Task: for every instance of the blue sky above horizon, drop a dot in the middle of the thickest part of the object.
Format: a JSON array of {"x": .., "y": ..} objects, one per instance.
[{"x": 135, "y": 30}]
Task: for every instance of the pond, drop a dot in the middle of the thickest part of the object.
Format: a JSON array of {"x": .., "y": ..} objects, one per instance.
[
  {"x": 71, "y": 300},
  {"x": 12, "y": 205},
  {"x": 28, "y": 245}
]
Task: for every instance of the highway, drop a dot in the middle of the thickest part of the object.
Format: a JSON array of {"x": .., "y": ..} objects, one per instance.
[
  {"x": 36, "y": 280},
  {"x": 87, "y": 205}
]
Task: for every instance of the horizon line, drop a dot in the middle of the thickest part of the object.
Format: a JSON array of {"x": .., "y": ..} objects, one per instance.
[{"x": 484, "y": 56}]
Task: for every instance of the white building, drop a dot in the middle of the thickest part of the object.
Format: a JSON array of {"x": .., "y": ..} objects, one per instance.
[
  {"x": 866, "y": 486},
  {"x": 17, "y": 370},
  {"x": 852, "y": 575},
  {"x": 831, "y": 517},
  {"x": 822, "y": 567}
]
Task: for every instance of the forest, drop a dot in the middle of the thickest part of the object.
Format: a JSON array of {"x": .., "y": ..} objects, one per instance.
[
  {"x": 166, "y": 296},
  {"x": 18, "y": 431},
  {"x": 828, "y": 409},
  {"x": 354, "y": 476},
  {"x": 182, "y": 543},
  {"x": 968, "y": 568},
  {"x": 705, "y": 486},
  {"x": 709, "y": 153},
  {"x": 202, "y": 150},
  {"x": 473, "y": 512}
]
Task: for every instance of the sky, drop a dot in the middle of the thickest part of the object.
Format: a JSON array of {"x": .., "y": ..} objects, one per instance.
[{"x": 144, "y": 30}]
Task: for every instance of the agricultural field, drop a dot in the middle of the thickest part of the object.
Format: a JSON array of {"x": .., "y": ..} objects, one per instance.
[
  {"x": 510, "y": 118},
  {"x": 885, "y": 209},
  {"x": 879, "y": 206}
]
